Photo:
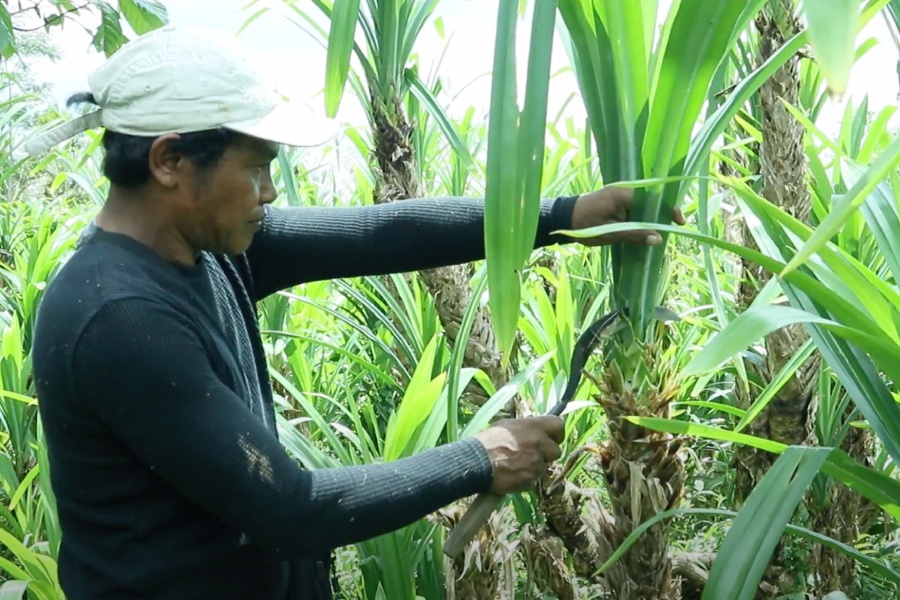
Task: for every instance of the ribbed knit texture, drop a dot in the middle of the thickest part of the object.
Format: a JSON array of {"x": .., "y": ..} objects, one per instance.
[
  {"x": 225, "y": 283},
  {"x": 299, "y": 245},
  {"x": 153, "y": 390}
]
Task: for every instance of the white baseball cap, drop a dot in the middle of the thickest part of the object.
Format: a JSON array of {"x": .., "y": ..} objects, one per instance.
[{"x": 171, "y": 80}]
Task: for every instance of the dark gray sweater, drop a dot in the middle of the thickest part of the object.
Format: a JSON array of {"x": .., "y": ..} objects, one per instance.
[{"x": 153, "y": 389}]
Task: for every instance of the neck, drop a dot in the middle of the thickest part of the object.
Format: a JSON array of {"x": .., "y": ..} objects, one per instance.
[{"x": 131, "y": 213}]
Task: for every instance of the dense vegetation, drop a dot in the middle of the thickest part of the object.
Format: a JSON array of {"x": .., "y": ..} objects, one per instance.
[{"x": 741, "y": 446}]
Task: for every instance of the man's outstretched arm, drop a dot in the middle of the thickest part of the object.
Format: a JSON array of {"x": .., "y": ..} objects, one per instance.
[
  {"x": 298, "y": 245},
  {"x": 159, "y": 394}
]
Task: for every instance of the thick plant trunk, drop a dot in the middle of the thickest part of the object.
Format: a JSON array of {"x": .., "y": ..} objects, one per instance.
[
  {"x": 845, "y": 515},
  {"x": 545, "y": 562},
  {"x": 782, "y": 164},
  {"x": 576, "y": 520},
  {"x": 590, "y": 534},
  {"x": 789, "y": 417},
  {"x": 572, "y": 527},
  {"x": 484, "y": 570},
  {"x": 644, "y": 476},
  {"x": 397, "y": 179},
  {"x": 548, "y": 261}
]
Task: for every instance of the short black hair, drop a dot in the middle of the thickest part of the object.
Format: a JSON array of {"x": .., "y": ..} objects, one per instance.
[{"x": 126, "y": 156}]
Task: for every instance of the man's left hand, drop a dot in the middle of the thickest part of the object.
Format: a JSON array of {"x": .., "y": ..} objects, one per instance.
[{"x": 611, "y": 205}]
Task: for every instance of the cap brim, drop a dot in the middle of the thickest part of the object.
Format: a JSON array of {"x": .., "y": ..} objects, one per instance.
[{"x": 291, "y": 124}]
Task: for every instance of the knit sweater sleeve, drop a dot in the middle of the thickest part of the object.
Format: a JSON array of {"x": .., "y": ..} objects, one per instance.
[
  {"x": 142, "y": 368},
  {"x": 298, "y": 245}
]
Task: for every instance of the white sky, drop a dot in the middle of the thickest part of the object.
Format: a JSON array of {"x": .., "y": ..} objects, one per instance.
[{"x": 297, "y": 61}]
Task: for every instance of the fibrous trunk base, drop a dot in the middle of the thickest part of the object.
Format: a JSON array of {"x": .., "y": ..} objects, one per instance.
[
  {"x": 576, "y": 519},
  {"x": 485, "y": 569},
  {"x": 789, "y": 417},
  {"x": 644, "y": 477},
  {"x": 545, "y": 559},
  {"x": 845, "y": 515}
]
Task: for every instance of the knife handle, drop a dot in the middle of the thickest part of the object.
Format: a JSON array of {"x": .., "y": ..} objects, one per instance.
[{"x": 471, "y": 522}]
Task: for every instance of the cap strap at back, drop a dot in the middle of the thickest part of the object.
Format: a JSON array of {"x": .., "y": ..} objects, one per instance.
[{"x": 63, "y": 132}]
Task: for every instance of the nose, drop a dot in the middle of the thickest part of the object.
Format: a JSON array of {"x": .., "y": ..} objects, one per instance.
[{"x": 267, "y": 191}]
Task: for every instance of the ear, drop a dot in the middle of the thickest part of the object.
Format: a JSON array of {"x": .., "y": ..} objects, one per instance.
[{"x": 167, "y": 167}]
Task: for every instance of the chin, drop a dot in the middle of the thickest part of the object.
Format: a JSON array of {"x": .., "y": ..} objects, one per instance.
[{"x": 241, "y": 246}]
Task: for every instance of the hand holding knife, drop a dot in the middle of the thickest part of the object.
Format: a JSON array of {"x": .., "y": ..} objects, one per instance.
[{"x": 485, "y": 504}]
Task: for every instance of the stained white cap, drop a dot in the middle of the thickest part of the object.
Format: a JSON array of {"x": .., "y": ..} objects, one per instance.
[{"x": 172, "y": 80}]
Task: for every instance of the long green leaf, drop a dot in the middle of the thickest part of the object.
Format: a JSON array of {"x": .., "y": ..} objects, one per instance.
[
  {"x": 867, "y": 182},
  {"x": 874, "y": 485},
  {"x": 876, "y": 566},
  {"x": 532, "y": 129},
  {"x": 484, "y": 415},
  {"x": 881, "y": 214},
  {"x": 760, "y": 321},
  {"x": 639, "y": 136},
  {"x": 424, "y": 95},
  {"x": 7, "y": 33},
  {"x": 344, "y": 17},
  {"x": 852, "y": 366},
  {"x": 744, "y": 555},
  {"x": 512, "y": 195},
  {"x": 715, "y": 124},
  {"x": 501, "y": 204},
  {"x": 854, "y": 369},
  {"x": 691, "y": 58}
]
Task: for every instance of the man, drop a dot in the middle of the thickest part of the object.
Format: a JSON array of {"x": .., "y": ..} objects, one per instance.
[{"x": 149, "y": 368}]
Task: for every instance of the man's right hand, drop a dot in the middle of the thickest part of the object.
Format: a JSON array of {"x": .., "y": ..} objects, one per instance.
[{"x": 520, "y": 450}]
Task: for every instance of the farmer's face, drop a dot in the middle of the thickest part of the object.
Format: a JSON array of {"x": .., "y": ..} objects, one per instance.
[{"x": 220, "y": 208}]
